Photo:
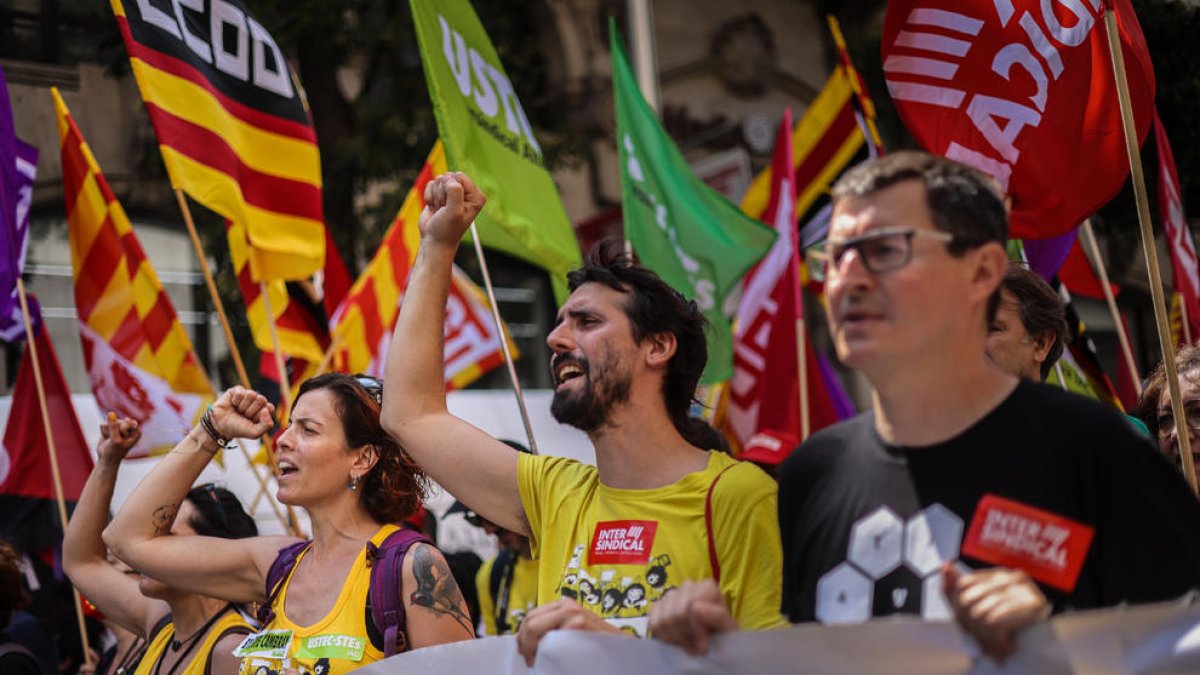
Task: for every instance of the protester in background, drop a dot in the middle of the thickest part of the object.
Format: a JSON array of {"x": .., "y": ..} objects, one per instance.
[
  {"x": 628, "y": 351},
  {"x": 177, "y": 631},
  {"x": 873, "y": 511},
  {"x": 505, "y": 585},
  {"x": 15, "y": 658},
  {"x": 1154, "y": 405},
  {"x": 1027, "y": 335},
  {"x": 354, "y": 482}
]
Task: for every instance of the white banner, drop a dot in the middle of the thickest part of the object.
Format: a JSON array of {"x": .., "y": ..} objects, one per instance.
[{"x": 1160, "y": 638}]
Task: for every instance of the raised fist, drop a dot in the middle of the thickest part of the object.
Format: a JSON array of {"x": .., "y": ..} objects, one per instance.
[
  {"x": 452, "y": 201},
  {"x": 118, "y": 436},
  {"x": 242, "y": 413}
]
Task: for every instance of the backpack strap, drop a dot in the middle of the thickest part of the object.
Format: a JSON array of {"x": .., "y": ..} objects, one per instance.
[
  {"x": 384, "y": 597},
  {"x": 23, "y": 654},
  {"x": 708, "y": 526},
  {"x": 285, "y": 561}
]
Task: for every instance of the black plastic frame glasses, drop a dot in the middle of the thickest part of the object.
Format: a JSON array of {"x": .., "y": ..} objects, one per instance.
[{"x": 883, "y": 250}]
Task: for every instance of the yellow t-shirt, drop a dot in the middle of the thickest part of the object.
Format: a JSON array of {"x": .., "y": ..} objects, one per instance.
[
  {"x": 522, "y": 594},
  {"x": 198, "y": 663},
  {"x": 335, "y": 644},
  {"x": 617, "y": 551}
]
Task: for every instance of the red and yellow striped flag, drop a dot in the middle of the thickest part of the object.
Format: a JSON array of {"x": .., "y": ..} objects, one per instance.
[
  {"x": 138, "y": 356},
  {"x": 363, "y": 323},
  {"x": 295, "y": 340},
  {"x": 232, "y": 126}
]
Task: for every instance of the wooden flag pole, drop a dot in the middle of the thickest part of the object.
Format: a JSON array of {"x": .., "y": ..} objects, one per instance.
[
  {"x": 1089, "y": 235},
  {"x": 802, "y": 373},
  {"x": 290, "y": 525},
  {"x": 285, "y": 384},
  {"x": 1183, "y": 321},
  {"x": 508, "y": 359},
  {"x": 31, "y": 343},
  {"x": 1148, "y": 245},
  {"x": 238, "y": 364}
]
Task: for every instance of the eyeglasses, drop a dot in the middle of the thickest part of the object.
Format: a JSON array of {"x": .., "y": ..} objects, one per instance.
[
  {"x": 883, "y": 250},
  {"x": 373, "y": 386},
  {"x": 1191, "y": 418}
]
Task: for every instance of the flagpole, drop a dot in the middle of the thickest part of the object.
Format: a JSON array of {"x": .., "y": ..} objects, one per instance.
[
  {"x": 508, "y": 359},
  {"x": 645, "y": 62},
  {"x": 1183, "y": 319},
  {"x": 285, "y": 385},
  {"x": 233, "y": 348},
  {"x": 1148, "y": 245},
  {"x": 31, "y": 342},
  {"x": 1089, "y": 236},
  {"x": 802, "y": 373}
]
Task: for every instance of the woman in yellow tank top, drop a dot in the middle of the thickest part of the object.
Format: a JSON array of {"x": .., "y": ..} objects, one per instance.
[
  {"x": 353, "y": 481},
  {"x": 188, "y": 633}
]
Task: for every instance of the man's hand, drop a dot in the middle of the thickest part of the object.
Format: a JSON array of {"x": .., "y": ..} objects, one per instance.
[
  {"x": 563, "y": 614},
  {"x": 451, "y": 203},
  {"x": 994, "y": 605},
  {"x": 690, "y": 615},
  {"x": 117, "y": 438},
  {"x": 242, "y": 413}
]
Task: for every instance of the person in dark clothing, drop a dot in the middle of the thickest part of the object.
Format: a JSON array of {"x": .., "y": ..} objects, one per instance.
[{"x": 15, "y": 658}]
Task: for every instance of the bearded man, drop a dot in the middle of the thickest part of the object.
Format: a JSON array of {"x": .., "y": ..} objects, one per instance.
[{"x": 628, "y": 351}]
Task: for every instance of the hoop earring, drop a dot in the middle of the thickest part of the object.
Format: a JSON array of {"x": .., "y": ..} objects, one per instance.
[{"x": 354, "y": 482}]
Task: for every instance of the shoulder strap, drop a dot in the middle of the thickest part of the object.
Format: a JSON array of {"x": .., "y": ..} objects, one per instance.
[
  {"x": 384, "y": 597},
  {"x": 284, "y": 562},
  {"x": 14, "y": 648},
  {"x": 497, "y": 573},
  {"x": 708, "y": 525},
  {"x": 236, "y": 629}
]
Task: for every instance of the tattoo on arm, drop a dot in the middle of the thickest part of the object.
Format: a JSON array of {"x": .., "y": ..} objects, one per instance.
[
  {"x": 163, "y": 518},
  {"x": 437, "y": 590}
]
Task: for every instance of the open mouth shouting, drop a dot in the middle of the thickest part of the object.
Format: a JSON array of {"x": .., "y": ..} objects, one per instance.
[{"x": 567, "y": 368}]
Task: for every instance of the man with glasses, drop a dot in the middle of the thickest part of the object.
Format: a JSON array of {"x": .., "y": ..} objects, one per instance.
[{"x": 964, "y": 492}]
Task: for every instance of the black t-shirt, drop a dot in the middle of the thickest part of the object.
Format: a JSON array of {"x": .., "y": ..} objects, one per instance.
[{"x": 866, "y": 526}]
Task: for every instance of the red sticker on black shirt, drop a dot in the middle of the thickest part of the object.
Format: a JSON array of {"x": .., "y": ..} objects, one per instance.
[
  {"x": 1047, "y": 546},
  {"x": 622, "y": 542}
]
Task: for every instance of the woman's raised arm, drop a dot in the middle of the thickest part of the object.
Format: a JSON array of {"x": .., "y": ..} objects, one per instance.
[{"x": 232, "y": 569}]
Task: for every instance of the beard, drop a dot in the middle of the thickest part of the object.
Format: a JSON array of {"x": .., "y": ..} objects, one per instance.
[{"x": 589, "y": 407}]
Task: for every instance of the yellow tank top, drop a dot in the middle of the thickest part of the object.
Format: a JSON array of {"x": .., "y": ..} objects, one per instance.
[
  {"x": 335, "y": 644},
  {"x": 199, "y": 658}
]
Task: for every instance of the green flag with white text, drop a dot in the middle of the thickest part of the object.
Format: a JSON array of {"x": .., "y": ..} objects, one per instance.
[
  {"x": 693, "y": 237},
  {"x": 488, "y": 136}
]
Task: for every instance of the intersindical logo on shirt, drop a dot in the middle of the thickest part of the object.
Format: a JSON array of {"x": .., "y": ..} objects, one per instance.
[{"x": 622, "y": 542}]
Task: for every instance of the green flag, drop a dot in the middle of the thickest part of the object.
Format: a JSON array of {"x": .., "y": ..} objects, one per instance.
[
  {"x": 694, "y": 238},
  {"x": 488, "y": 136}
]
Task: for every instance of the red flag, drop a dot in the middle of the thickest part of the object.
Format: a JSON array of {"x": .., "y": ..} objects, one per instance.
[
  {"x": 1079, "y": 276},
  {"x": 763, "y": 417},
  {"x": 1023, "y": 91},
  {"x": 28, "y": 512},
  {"x": 1179, "y": 237}
]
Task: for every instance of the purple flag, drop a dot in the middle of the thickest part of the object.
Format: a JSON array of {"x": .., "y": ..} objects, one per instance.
[
  {"x": 1046, "y": 256},
  {"x": 18, "y": 166}
]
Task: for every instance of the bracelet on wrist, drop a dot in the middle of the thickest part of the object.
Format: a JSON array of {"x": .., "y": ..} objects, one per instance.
[{"x": 210, "y": 429}]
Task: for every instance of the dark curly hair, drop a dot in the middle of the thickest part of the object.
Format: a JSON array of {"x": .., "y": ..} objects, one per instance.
[
  {"x": 394, "y": 488},
  {"x": 653, "y": 307}
]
